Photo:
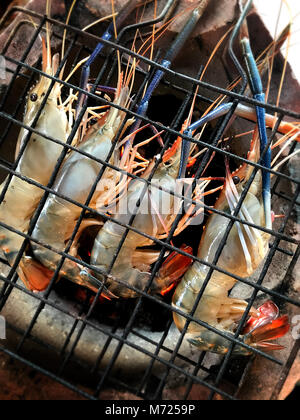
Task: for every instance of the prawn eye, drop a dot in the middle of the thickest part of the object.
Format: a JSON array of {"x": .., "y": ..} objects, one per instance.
[
  {"x": 236, "y": 180},
  {"x": 93, "y": 121},
  {"x": 34, "y": 97}
]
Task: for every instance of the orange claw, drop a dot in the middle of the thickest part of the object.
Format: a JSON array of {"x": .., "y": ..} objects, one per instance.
[{"x": 174, "y": 268}]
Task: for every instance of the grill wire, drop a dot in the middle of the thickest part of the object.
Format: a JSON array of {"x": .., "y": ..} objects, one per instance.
[{"x": 82, "y": 320}]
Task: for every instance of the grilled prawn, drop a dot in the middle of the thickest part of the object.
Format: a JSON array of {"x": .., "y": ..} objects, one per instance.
[
  {"x": 244, "y": 251},
  {"x": 37, "y": 161},
  {"x": 75, "y": 181}
]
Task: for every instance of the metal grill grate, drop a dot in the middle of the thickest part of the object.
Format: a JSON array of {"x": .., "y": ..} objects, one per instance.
[{"x": 81, "y": 316}]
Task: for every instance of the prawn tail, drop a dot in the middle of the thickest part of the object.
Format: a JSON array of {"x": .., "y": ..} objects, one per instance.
[
  {"x": 34, "y": 275},
  {"x": 262, "y": 337},
  {"x": 260, "y": 332},
  {"x": 172, "y": 270}
]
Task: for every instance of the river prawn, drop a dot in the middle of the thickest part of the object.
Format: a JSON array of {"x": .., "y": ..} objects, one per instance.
[
  {"x": 215, "y": 307},
  {"x": 75, "y": 181},
  {"x": 38, "y": 157},
  {"x": 244, "y": 251}
]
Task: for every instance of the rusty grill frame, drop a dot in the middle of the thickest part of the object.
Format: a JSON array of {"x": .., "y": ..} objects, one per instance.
[{"x": 10, "y": 282}]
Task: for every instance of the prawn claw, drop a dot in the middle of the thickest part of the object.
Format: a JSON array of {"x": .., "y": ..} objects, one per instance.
[
  {"x": 174, "y": 267},
  {"x": 260, "y": 338}
]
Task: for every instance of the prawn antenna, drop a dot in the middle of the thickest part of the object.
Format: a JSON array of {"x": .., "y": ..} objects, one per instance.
[
  {"x": 166, "y": 62},
  {"x": 223, "y": 109},
  {"x": 259, "y": 95},
  {"x": 108, "y": 34}
]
